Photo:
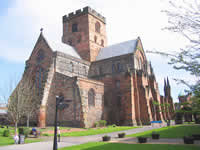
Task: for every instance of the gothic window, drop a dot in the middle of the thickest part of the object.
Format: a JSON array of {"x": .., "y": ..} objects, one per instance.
[
  {"x": 102, "y": 42},
  {"x": 40, "y": 56},
  {"x": 100, "y": 70},
  {"x": 95, "y": 38},
  {"x": 117, "y": 84},
  {"x": 140, "y": 64},
  {"x": 39, "y": 76},
  {"x": 71, "y": 67},
  {"x": 91, "y": 98},
  {"x": 97, "y": 27},
  {"x": 75, "y": 27},
  {"x": 113, "y": 68},
  {"x": 118, "y": 67}
]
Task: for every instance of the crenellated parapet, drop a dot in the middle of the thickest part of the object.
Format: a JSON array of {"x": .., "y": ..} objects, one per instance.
[{"x": 86, "y": 10}]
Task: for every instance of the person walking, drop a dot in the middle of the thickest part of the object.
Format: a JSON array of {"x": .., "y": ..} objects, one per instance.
[
  {"x": 16, "y": 138},
  {"x": 58, "y": 131}
]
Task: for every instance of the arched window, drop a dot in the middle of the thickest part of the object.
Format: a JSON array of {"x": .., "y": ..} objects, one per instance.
[
  {"x": 95, "y": 38},
  {"x": 118, "y": 67},
  {"x": 97, "y": 27},
  {"x": 71, "y": 67},
  {"x": 113, "y": 68},
  {"x": 75, "y": 27},
  {"x": 40, "y": 56},
  {"x": 102, "y": 42},
  {"x": 91, "y": 98}
]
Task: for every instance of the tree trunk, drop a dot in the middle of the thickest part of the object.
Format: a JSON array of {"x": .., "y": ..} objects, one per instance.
[
  {"x": 15, "y": 127},
  {"x": 27, "y": 121}
]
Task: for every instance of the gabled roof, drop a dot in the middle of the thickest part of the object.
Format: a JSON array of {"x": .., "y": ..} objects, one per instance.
[
  {"x": 117, "y": 49},
  {"x": 61, "y": 47},
  {"x": 64, "y": 48}
]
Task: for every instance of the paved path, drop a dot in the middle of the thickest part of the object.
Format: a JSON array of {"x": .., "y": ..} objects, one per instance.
[{"x": 69, "y": 141}]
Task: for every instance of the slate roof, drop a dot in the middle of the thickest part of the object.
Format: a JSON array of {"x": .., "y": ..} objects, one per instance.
[
  {"x": 119, "y": 49},
  {"x": 61, "y": 47}
]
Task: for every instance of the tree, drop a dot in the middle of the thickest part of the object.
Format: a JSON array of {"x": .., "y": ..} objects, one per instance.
[
  {"x": 23, "y": 101},
  {"x": 184, "y": 19}
]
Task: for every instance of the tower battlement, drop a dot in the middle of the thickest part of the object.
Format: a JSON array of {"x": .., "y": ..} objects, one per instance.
[{"x": 86, "y": 10}]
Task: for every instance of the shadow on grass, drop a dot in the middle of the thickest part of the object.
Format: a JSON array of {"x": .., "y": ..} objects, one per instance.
[
  {"x": 172, "y": 131},
  {"x": 121, "y": 146}
]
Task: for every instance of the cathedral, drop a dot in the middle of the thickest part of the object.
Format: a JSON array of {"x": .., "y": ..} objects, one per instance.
[{"x": 115, "y": 83}]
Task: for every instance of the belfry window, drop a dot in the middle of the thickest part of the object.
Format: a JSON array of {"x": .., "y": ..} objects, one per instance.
[
  {"x": 91, "y": 98},
  {"x": 97, "y": 27},
  {"x": 75, "y": 27}
]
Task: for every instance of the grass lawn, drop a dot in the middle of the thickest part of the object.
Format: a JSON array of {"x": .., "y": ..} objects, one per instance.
[
  {"x": 121, "y": 146},
  {"x": 178, "y": 131},
  {"x": 9, "y": 140},
  {"x": 108, "y": 129}
]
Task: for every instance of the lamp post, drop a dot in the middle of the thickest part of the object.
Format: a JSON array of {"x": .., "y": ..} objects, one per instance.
[{"x": 60, "y": 104}]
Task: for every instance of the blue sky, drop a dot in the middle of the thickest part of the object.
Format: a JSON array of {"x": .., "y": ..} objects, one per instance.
[{"x": 21, "y": 21}]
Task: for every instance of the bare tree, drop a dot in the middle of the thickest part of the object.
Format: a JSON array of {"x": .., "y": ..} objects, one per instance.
[
  {"x": 23, "y": 101},
  {"x": 184, "y": 19}
]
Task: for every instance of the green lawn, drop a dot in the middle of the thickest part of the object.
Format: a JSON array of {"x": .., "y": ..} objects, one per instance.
[
  {"x": 177, "y": 131},
  {"x": 98, "y": 131},
  {"x": 120, "y": 146},
  {"x": 9, "y": 140}
]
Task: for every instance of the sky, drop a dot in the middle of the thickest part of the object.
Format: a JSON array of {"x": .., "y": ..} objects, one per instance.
[{"x": 21, "y": 21}]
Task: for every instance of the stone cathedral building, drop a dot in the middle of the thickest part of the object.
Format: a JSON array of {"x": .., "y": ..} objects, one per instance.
[{"x": 114, "y": 83}]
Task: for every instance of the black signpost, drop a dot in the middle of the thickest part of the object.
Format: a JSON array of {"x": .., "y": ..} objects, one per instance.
[{"x": 60, "y": 104}]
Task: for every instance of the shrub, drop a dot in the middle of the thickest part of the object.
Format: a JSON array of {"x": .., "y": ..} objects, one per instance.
[
  {"x": 21, "y": 131},
  {"x": 96, "y": 124},
  {"x": 45, "y": 134},
  {"x": 26, "y": 132},
  {"x": 6, "y": 133},
  {"x": 102, "y": 123}
]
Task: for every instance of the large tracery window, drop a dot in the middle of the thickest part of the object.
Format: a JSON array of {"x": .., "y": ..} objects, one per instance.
[
  {"x": 91, "y": 98},
  {"x": 40, "y": 56},
  {"x": 97, "y": 27}
]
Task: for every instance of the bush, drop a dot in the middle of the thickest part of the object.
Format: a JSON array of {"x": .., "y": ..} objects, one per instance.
[
  {"x": 24, "y": 131},
  {"x": 45, "y": 134},
  {"x": 102, "y": 123},
  {"x": 21, "y": 131},
  {"x": 97, "y": 124},
  {"x": 6, "y": 133}
]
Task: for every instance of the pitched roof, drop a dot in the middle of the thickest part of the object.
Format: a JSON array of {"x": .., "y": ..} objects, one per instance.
[
  {"x": 64, "y": 48},
  {"x": 61, "y": 47},
  {"x": 119, "y": 49}
]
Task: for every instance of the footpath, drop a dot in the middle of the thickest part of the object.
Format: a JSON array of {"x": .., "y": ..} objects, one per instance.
[{"x": 69, "y": 141}]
